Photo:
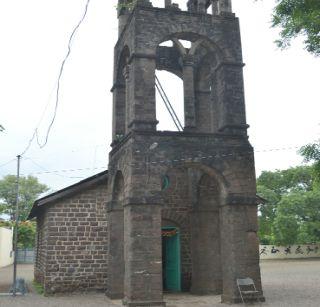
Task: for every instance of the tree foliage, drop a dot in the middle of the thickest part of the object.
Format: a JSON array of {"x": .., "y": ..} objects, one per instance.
[
  {"x": 285, "y": 181},
  {"x": 292, "y": 212},
  {"x": 298, "y": 17},
  {"x": 29, "y": 191},
  {"x": 1, "y": 128},
  {"x": 26, "y": 232},
  {"x": 311, "y": 153}
]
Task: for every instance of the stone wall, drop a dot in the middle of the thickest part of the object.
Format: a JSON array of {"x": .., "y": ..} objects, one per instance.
[
  {"x": 41, "y": 248},
  {"x": 289, "y": 252},
  {"x": 72, "y": 246}
]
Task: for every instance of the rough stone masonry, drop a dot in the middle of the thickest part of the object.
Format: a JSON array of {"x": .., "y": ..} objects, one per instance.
[{"x": 180, "y": 206}]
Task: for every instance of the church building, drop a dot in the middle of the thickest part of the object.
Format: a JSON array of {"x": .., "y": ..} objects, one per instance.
[{"x": 176, "y": 210}]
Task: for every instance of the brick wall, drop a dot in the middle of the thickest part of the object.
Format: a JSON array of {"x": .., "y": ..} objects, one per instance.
[
  {"x": 72, "y": 243},
  {"x": 40, "y": 248}
]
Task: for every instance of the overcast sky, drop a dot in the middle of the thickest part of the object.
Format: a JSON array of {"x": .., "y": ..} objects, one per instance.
[{"x": 282, "y": 87}]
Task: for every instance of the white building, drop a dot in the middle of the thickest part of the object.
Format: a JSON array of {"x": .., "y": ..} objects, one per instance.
[{"x": 6, "y": 254}]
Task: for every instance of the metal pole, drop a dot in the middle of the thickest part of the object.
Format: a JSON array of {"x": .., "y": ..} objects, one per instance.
[{"x": 14, "y": 290}]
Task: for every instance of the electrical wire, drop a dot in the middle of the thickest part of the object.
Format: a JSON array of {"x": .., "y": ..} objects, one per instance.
[
  {"x": 67, "y": 170},
  {"x": 4, "y": 164},
  {"x": 183, "y": 159},
  {"x": 197, "y": 158},
  {"x": 35, "y": 133},
  {"x": 47, "y": 171}
]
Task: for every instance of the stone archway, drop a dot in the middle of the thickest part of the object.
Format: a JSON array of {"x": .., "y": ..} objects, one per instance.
[{"x": 192, "y": 199}]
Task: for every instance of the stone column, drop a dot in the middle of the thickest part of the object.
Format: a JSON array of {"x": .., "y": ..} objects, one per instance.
[
  {"x": 191, "y": 7},
  {"x": 115, "y": 282},
  {"x": 225, "y": 6},
  {"x": 141, "y": 91},
  {"x": 143, "y": 258},
  {"x": 144, "y": 2},
  {"x": 230, "y": 95},
  {"x": 206, "y": 262},
  {"x": 204, "y": 114},
  {"x": 202, "y": 6},
  {"x": 167, "y": 3},
  {"x": 189, "y": 93},
  {"x": 215, "y": 7},
  {"x": 239, "y": 246},
  {"x": 123, "y": 15}
]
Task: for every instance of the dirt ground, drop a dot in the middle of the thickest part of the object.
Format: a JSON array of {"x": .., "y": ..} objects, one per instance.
[{"x": 285, "y": 283}]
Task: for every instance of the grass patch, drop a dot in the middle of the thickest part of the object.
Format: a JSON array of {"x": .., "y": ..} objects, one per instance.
[{"x": 38, "y": 287}]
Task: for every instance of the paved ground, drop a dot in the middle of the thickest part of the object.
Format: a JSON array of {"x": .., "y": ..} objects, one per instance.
[
  {"x": 286, "y": 283},
  {"x": 6, "y": 274}
]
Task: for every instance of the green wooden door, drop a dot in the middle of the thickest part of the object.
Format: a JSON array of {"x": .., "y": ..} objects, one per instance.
[{"x": 172, "y": 271}]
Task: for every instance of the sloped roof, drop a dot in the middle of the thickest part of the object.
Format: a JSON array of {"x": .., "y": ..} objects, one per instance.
[{"x": 68, "y": 192}]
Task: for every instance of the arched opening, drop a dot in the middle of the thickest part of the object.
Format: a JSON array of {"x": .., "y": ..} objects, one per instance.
[
  {"x": 169, "y": 4},
  {"x": 192, "y": 200},
  {"x": 119, "y": 125},
  {"x": 172, "y": 93},
  {"x": 193, "y": 59},
  {"x": 158, "y": 3},
  {"x": 168, "y": 43}
]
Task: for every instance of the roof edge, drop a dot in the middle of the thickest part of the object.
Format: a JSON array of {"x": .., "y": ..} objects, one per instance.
[{"x": 67, "y": 192}]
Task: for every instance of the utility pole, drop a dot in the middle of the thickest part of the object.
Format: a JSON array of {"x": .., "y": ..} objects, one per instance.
[{"x": 14, "y": 290}]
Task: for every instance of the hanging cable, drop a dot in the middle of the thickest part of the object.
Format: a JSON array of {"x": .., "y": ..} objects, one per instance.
[
  {"x": 48, "y": 172},
  {"x": 35, "y": 133},
  {"x": 4, "y": 164},
  {"x": 168, "y": 105}
]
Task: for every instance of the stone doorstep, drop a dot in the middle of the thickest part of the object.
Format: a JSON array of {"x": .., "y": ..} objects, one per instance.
[
  {"x": 236, "y": 300},
  {"x": 114, "y": 296},
  {"x": 144, "y": 304}
]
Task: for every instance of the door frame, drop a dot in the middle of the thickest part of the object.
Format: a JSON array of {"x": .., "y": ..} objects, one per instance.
[{"x": 178, "y": 257}]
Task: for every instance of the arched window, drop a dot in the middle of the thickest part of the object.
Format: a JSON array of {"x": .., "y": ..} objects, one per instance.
[{"x": 171, "y": 93}]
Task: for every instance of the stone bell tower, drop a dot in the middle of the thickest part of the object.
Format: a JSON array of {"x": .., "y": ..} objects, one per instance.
[{"x": 197, "y": 184}]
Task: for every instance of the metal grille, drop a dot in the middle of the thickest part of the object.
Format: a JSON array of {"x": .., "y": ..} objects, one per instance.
[{"x": 25, "y": 255}]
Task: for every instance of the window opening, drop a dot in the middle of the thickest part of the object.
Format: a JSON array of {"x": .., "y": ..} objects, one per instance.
[
  {"x": 209, "y": 9},
  {"x": 167, "y": 44},
  {"x": 168, "y": 105},
  {"x": 157, "y": 3},
  {"x": 169, "y": 101},
  {"x": 185, "y": 43}
]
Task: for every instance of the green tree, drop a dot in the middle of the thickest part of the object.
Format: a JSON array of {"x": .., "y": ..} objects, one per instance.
[
  {"x": 267, "y": 213},
  {"x": 26, "y": 232},
  {"x": 29, "y": 191},
  {"x": 284, "y": 181},
  {"x": 288, "y": 194},
  {"x": 1, "y": 128},
  {"x": 286, "y": 229},
  {"x": 304, "y": 209},
  {"x": 311, "y": 153},
  {"x": 298, "y": 17}
]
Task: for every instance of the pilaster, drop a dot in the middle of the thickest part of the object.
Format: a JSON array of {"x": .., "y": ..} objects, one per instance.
[{"x": 143, "y": 258}]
